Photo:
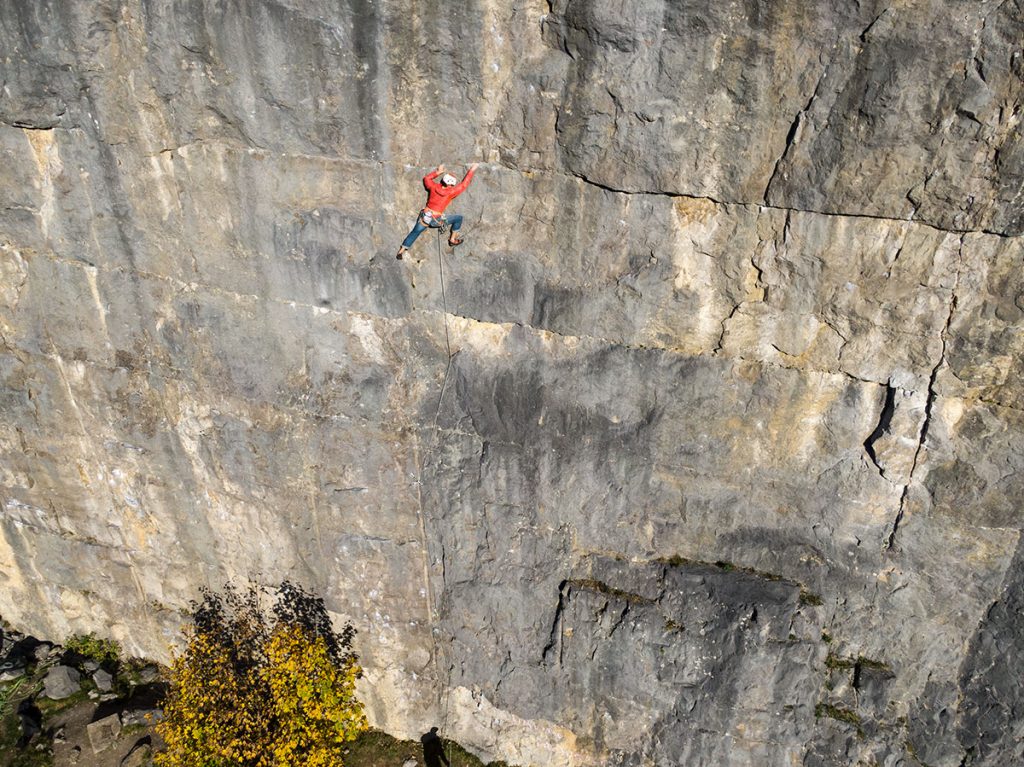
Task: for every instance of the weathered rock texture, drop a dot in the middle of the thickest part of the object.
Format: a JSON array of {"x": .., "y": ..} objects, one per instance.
[{"x": 725, "y": 466}]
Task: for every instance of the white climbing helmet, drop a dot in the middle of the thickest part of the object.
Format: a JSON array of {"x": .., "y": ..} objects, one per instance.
[{"x": 448, "y": 179}]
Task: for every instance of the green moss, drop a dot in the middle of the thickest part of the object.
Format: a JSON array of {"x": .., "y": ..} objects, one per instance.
[
  {"x": 828, "y": 711},
  {"x": 10, "y": 727},
  {"x": 727, "y": 567},
  {"x": 677, "y": 561},
  {"x": 826, "y": 637},
  {"x": 732, "y": 567},
  {"x": 52, "y": 707},
  {"x": 9, "y": 734},
  {"x": 460, "y": 757},
  {"x": 810, "y": 598},
  {"x": 378, "y": 749},
  {"x": 834, "y": 661},
  {"x": 9, "y": 695},
  {"x": 129, "y": 675},
  {"x": 134, "y": 729},
  {"x": 90, "y": 646},
  {"x": 603, "y": 588},
  {"x": 671, "y": 625},
  {"x": 875, "y": 665}
]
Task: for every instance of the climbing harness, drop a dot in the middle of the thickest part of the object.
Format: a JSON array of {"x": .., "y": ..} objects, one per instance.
[{"x": 433, "y": 220}]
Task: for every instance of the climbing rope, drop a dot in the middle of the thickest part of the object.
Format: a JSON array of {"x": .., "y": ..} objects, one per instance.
[
  {"x": 443, "y": 662},
  {"x": 449, "y": 664},
  {"x": 447, "y": 340},
  {"x": 444, "y": 299}
]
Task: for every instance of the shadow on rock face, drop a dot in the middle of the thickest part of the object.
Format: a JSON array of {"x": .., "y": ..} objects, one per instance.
[{"x": 433, "y": 749}]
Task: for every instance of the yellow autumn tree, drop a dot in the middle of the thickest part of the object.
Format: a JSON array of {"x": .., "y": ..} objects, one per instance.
[
  {"x": 312, "y": 698},
  {"x": 260, "y": 686}
]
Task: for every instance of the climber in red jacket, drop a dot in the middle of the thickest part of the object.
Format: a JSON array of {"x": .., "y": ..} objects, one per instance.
[{"x": 440, "y": 193}]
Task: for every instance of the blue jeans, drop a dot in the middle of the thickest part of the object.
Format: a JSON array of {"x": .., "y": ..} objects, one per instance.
[{"x": 455, "y": 221}]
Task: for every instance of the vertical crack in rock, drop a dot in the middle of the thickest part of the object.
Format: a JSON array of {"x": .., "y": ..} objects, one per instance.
[
  {"x": 506, "y": 669},
  {"x": 792, "y": 136},
  {"x": 796, "y": 127},
  {"x": 619, "y": 620},
  {"x": 895, "y": 258},
  {"x": 787, "y": 227},
  {"x": 863, "y": 37},
  {"x": 930, "y": 400},
  {"x": 555, "y": 636},
  {"x": 884, "y": 420},
  {"x": 759, "y": 284},
  {"x": 725, "y": 322}
]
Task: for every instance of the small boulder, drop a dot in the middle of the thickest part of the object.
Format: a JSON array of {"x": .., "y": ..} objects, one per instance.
[
  {"x": 410, "y": 763},
  {"x": 61, "y": 682},
  {"x": 89, "y": 666},
  {"x": 149, "y": 674},
  {"x": 7, "y": 641},
  {"x": 42, "y": 651},
  {"x": 142, "y": 716},
  {"x": 103, "y": 680},
  {"x": 138, "y": 756},
  {"x": 103, "y": 732},
  {"x": 10, "y": 671}
]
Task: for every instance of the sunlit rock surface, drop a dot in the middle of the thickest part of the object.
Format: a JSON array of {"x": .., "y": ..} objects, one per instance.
[{"x": 724, "y": 464}]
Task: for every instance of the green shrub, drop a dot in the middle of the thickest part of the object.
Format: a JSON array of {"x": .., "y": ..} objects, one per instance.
[{"x": 91, "y": 646}]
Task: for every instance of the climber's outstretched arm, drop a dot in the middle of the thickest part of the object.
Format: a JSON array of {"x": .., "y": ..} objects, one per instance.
[
  {"x": 430, "y": 180},
  {"x": 461, "y": 186}
]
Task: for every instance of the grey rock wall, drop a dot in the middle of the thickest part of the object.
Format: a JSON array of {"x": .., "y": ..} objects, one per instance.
[{"x": 723, "y": 465}]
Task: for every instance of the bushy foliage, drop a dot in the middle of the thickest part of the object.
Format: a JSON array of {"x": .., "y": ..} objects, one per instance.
[
  {"x": 91, "y": 646},
  {"x": 261, "y": 687}
]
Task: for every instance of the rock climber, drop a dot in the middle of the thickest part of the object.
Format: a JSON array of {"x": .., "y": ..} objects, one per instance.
[{"x": 439, "y": 194}]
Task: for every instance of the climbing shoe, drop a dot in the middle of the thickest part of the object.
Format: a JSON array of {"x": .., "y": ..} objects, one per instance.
[
  {"x": 454, "y": 240},
  {"x": 401, "y": 252}
]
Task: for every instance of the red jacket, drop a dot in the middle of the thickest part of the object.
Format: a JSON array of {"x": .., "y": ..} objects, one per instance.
[{"x": 439, "y": 194}]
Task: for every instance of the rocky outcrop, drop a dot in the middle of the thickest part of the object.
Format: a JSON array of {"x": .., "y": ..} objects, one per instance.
[{"x": 706, "y": 450}]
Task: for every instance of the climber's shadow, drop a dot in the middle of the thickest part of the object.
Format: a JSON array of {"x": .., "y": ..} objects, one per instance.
[{"x": 433, "y": 749}]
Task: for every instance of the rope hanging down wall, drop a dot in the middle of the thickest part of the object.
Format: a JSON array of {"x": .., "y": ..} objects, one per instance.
[
  {"x": 443, "y": 662},
  {"x": 449, "y": 664}
]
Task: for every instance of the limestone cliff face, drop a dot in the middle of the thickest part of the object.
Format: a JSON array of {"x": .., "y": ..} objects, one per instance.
[{"x": 725, "y": 465}]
